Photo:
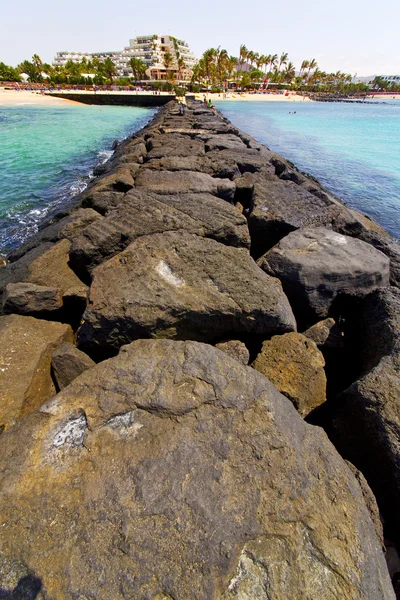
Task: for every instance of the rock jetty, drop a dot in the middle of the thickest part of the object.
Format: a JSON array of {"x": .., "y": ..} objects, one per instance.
[{"x": 141, "y": 457}]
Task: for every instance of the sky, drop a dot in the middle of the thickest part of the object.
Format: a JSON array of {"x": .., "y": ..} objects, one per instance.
[{"x": 355, "y": 36}]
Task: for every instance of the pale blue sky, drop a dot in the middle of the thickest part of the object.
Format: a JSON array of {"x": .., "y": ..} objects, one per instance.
[{"x": 355, "y": 36}]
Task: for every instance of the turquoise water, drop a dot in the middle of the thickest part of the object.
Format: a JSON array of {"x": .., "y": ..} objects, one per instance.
[
  {"x": 47, "y": 155},
  {"x": 352, "y": 149}
]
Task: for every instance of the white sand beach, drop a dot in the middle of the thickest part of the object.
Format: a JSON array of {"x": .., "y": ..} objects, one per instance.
[
  {"x": 25, "y": 97},
  {"x": 257, "y": 97}
]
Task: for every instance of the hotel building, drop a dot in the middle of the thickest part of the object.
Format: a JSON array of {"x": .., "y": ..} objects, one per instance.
[{"x": 150, "y": 49}]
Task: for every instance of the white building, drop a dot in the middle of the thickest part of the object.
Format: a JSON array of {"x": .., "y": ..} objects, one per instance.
[
  {"x": 391, "y": 79},
  {"x": 152, "y": 50}
]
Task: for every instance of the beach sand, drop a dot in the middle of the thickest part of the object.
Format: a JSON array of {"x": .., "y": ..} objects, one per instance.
[
  {"x": 23, "y": 97},
  {"x": 270, "y": 97}
]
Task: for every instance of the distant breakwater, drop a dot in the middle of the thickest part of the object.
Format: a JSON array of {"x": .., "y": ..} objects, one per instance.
[
  {"x": 140, "y": 455},
  {"x": 116, "y": 99}
]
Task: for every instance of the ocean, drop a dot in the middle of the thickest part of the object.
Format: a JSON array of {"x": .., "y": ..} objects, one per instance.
[
  {"x": 47, "y": 156},
  {"x": 352, "y": 149}
]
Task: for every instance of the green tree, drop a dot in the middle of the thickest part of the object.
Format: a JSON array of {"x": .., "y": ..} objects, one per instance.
[
  {"x": 138, "y": 68},
  {"x": 8, "y": 73},
  {"x": 168, "y": 62},
  {"x": 283, "y": 60},
  {"x": 31, "y": 70},
  {"x": 108, "y": 69}
]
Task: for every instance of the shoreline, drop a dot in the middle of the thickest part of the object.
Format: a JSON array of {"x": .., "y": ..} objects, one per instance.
[{"x": 26, "y": 98}]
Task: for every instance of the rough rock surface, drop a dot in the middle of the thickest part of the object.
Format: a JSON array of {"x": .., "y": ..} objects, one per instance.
[
  {"x": 189, "y": 476},
  {"x": 181, "y": 286},
  {"x": 176, "y": 182},
  {"x": 367, "y": 416},
  {"x": 281, "y": 207},
  {"x": 236, "y": 349},
  {"x": 174, "y": 145},
  {"x": 326, "y": 334},
  {"x": 66, "y": 227},
  {"x": 26, "y": 345},
  {"x": 295, "y": 366},
  {"x": 30, "y": 299},
  {"x": 67, "y": 363},
  {"x": 317, "y": 265},
  {"x": 142, "y": 213}
]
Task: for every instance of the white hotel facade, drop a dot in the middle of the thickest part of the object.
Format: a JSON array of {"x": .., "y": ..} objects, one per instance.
[{"x": 150, "y": 49}]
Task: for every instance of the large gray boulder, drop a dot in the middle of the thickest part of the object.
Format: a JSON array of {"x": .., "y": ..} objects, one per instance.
[
  {"x": 247, "y": 160},
  {"x": 174, "y": 145},
  {"x": 176, "y": 182},
  {"x": 367, "y": 414},
  {"x": 181, "y": 286},
  {"x": 317, "y": 266},
  {"x": 67, "y": 363},
  {"x": 143, "y": 213},
  {"x": 280, "y": 207},
  {"x": 31, "y": 299},
  {"x": 172, "y": 471}
]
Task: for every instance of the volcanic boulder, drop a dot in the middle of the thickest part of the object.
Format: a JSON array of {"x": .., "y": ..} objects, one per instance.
[
  {"x": 295, "y": 366},
  {"x": 26, "y": 345},
  {"x": 317, "y": 265},
  {"x": 173, "y": 471},
  {"x": 181, "y": 286},
  {"x": 143, "y": 213}
]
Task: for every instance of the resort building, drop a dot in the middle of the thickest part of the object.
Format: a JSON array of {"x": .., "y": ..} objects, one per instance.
[
  {"x": 165, "y": 56},
  {"x": 391, "y": 79}
]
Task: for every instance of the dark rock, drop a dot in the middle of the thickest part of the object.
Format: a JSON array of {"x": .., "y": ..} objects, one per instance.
[
  {"x": 388, "y": 246},
  {"x": 120, "y": 180},
  {"x": 295, "y": 366},
  {"x": 66, "y": 227},
  {"x": 174, "y": 145},
  {"x": 67, "y": 363},
  {"x": 175, "y": 182},
  {"x": 102, "y": 201},
  {"x": 367, "y": 414},
  {"x": 235, "y": 349},
  {"x": 327, "y": 335},
  {"x": 281, "y": 207},
  {"x": 246, "y": 160},
  {"x": 143, "y": 213},
  {"x": 30, "y": 299},
  {"x": 245, "y": 190},
  {"x": 366, "y": 430},
  {"x": 223, "y": 142},
  {"x": 181, "y": 286},
  {"x": 318, "y": 266},
  {"x": 202, "y": 482}
]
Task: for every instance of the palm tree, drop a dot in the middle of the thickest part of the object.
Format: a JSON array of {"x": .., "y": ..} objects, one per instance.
[
  {"x": 272, "y": 61},
  {"x": 138, "y": 68},
  {"x": 181, "y": 66},
  {"x": 31, "y": 70},
  {"x": 289, "y": 73},
  {"x": 312, "y": 65},
  {"x": 109, "y": 69},
  {"x": 243, "y": 55},
  {"x": 252, "y": 57},
  {"x": 168, "y": 62},
  {"x": 283, "y": 60},
  {"x": 304, "y": 66}
]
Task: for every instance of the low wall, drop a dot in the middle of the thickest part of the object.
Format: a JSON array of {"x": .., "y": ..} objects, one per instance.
[{"x": 116, "y": 99}]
